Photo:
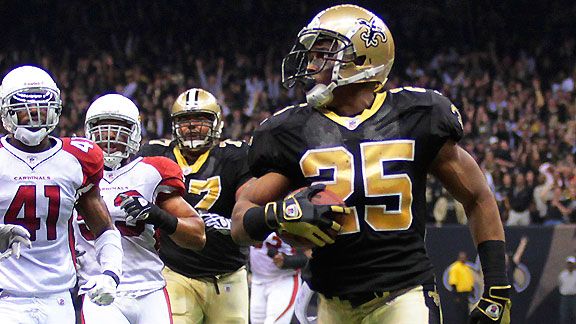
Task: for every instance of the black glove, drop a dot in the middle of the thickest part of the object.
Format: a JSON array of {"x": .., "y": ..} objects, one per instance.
[
  {"x": 299, "y": 216},
  {"x": 272, "y": 251},
  {"x": 137, "y": 208},
  {"x": 493, "y": 307}
]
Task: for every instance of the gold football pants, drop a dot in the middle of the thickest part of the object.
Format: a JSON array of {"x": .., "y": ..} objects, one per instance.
[
  {"x": 414, "y": 306},
  {"x": 220, "y": 300}
]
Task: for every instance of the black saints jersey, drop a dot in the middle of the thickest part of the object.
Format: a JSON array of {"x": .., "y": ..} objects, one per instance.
[
  {"x": 211, "y": 184},
  {"x": 377, "y": 162}
]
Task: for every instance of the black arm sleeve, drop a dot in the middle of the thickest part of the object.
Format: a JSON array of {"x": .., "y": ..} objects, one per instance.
[{"x": 295, "y": 261}]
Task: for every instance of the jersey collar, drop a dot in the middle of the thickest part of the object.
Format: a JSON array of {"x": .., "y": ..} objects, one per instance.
[
  {"x": 352, "y": 123},
  {"x": 111, "y": 175},
  {"x": 32, "y": 159},
  {"x": 186, "y": 168}
]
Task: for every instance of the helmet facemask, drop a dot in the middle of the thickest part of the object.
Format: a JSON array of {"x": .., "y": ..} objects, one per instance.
[
  {"x": 339, "y": 50},
  {"x": 361, "y": 51},
  {"x": 118, "y": 141},
  {"x": 197, "y": 130},
  {"x": 31, "y": 113}
]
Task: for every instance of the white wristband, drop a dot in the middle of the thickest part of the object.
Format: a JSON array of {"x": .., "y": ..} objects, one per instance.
[{"x": 109, "y": 251}]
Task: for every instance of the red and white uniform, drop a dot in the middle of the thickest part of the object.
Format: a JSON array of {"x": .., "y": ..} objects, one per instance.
[
  {"x": 38, "y": 192},
  {"x": 142, "y": 268},
  {"x": 273, "y": 290}
]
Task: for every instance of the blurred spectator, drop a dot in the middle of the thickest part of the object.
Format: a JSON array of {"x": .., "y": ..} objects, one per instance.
[
  {"x": 520, "y": 198},
  {"x": 559, "y": 207},
  {"x": 567, "y": 287},
  {"x": 448, "y": 210},
  {"x": 539, "y": 197},
  {"x": 213, "y": 82},
  {"x": 503, "y": 191},
  {"x": 236, "y": 124},
  {"x": 461, "y": 279}
]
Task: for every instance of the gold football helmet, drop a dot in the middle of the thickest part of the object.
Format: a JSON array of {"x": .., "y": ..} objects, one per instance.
[
  {"x": 362, "y": 50},
  {"x": 196, "y": 119}
]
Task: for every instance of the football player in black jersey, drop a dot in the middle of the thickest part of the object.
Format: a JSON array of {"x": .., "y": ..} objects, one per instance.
[
  {"x": 374, "y": 149},
  {"x": 209, "y": 286}
]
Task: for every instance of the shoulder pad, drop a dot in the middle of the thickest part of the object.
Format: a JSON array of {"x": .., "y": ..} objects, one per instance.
[
  {"x": 411, "y": 89},
  {"x": 89, "y": 155},
  {"x": 279, "y": 116},
  {"x": 169, "y": 171},
  {"x": 302, "y": 105}
]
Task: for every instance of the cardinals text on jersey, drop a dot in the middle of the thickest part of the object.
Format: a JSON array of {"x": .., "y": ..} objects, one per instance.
[
  {"x": 142, "y": 268},
  {"x": 38, "y": 192}
]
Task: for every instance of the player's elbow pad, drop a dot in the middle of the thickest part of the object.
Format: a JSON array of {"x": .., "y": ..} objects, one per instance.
[{"x": 109, "y": 253}]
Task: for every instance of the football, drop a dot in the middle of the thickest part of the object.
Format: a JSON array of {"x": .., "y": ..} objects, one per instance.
[{"x": 324, "y": 197}]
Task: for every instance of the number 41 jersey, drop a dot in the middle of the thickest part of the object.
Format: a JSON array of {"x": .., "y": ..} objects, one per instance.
[
  {"x": 377, "y": 162},
  {"x": 38, "y": 192}
]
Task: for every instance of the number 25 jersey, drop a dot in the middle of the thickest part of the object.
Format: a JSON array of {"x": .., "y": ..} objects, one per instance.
[
  {"x": 377, "y": 162},
  {"x": 38, "y": 192}
]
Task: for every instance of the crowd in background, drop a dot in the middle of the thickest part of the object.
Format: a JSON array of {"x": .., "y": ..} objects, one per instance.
[{"x": 515, "y": 89}]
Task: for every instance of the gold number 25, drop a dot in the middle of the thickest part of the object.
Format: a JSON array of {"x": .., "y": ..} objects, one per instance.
[{"x": 376, "y": 182}]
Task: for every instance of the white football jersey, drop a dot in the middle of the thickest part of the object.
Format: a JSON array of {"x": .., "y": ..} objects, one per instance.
[
  {"x": 141, "y": 266},
  {"x": 262, "y": 267},
  {"x": 38, "y": 192}
]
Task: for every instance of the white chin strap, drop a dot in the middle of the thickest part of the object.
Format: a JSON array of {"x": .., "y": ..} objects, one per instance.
[
  {"x": 112, "y": 161},
  {"x": 321, "y": 95},
  {"x": 195, "y": 144},
  {"x": 28, "y": 137}
]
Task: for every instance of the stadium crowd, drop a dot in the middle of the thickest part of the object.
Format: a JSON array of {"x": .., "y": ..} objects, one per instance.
[{"x": 517, "y": 102}]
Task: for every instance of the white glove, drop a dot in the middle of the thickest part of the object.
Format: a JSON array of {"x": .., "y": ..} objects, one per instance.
[
  {"x": 219, "y": 223},
  {"x": 11, "y": 239},
  {"x": 101, "y": 289}
]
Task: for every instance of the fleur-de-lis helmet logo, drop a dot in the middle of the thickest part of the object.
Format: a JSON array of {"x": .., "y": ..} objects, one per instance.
[{"x": 373, "y": 33}]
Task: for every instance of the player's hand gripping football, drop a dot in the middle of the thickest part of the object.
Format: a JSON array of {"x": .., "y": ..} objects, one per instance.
[
  {"x": 493, "y": 307},
  {"x": 299, "y": 216},
  {"x": 101, "y": 289},
  {"x": 12, "y": 237}
]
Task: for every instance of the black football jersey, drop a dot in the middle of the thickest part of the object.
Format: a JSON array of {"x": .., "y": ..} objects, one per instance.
[
  {"x": 211, "y": 184},
  {"x": 377, "y": 162}
]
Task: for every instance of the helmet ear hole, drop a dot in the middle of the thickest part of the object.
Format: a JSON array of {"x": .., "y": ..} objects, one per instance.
[{"x": 360, "y": 60}]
